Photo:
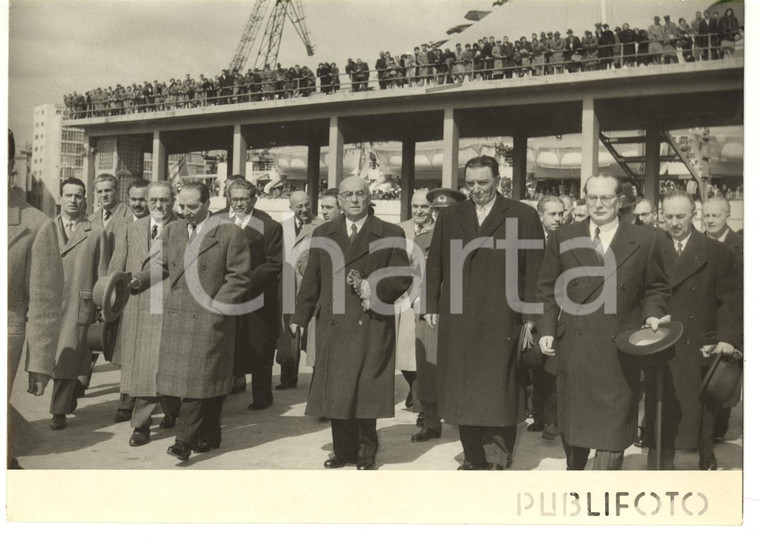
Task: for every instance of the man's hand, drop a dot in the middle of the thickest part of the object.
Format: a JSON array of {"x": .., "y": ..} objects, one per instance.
[
  {"x": 654, "y": 322},
  {"x": 724, "y": 348},
  {"x": 37, "y": 383},
  {"x": 528, "y": 342},
  {"x": 546, "y": 343},
  {"x": 294, "y": 328},
  {"x": 133, "y": 283},
  {"x": 431, "y": 320}
]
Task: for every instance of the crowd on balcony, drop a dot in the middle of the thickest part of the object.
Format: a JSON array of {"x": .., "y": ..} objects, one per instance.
[{"x": 710, "y": 36}]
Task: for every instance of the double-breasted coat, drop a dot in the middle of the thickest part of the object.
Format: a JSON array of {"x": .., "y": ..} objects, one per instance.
[
  {"x": 707, "y": 300},
  {"x": 597, "y": 386},
  {"x": 197, "y": 340},
  {"x": 85, "y": 259},
  {"x": 139, "y": 335},
  {"x": 478, "y": 383},
  {"x": 35, "y": 287},
  {"x": 354, "y": 371}
]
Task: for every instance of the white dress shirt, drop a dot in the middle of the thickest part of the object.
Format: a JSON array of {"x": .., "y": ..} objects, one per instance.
[
  {"x": 198, "y": 227},
  {"x": 359, "y": 224},
  {"x": 240, "y": 220},
  {"x": 606, "y": 232},
  {"x": 682, "y": 241},
  {"x": 483, "y": 211}
]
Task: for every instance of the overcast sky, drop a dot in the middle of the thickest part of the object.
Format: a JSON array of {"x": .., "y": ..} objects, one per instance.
[{"x": 64, "y": 45}]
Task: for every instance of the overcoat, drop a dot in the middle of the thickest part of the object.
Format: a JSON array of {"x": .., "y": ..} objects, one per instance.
[
  {"x": 478, "y": 383},
  {"x": 597, "y": 387},
  {"x": 85, "y": 259},
  {"x": 406, "y": 358},
  {"x": 35, "y": 287},
  {"x": 354, "y": 372},
  {"x": 707, "y": 300},
  {"x": 197, "y": 340},
  {"x": 139, "y": 334},
  {"x": 120, "y": 211}
]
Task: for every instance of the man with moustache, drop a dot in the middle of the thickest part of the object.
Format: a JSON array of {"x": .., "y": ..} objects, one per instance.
[
  {"x": 705, "y": 281},
  {"x": 296, "y": 235},
  {"x": 353, "y": 383},
  {"x": 597, "y": 387},
  {"x": 478, "y": 385},
  {"x": 139, "y": 333},
  {"x": 84, "y": 250},
  {"x": 207, "y": 264}
]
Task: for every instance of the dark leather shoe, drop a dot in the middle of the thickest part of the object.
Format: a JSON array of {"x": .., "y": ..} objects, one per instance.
[
  {"x": 496, "y": 467},
  {"x": 284, "y": 386},
  {"x": 122, "y": 415},
  {"x": 139, "y": 437},
  {"x": 366, "y": 463},
  {"x": 421, "y": 420},
  {"x": 426, "y": 434},
  {"x": 550, "y": 432},
  {"x": 708, "y": 463},
  {"x": 79, "y": 389},
  {"x": 180, "y": 450},
  {"x": 535, "y": 427},
  {"x": 468, "y": 466},
  {"x": 259, "y": 405},
  {"x": 167, "y": 422},
  {"x": 639, "y": 438},
  {"x": 58, "y": 422},
  {"x": 338, "y": 461},
  {"x": 204, "y": 446}
]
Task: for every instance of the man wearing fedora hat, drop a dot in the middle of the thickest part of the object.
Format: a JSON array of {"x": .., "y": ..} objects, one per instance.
[{"x": 704, "y": 279}]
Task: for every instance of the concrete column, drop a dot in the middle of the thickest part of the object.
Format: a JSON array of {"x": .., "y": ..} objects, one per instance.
[
  {"x": 519, "y": 166},
  {"x": 160, "y": 158},
  {"x": 449, "y": 175},
  {"x": 239, "y": 150},
  {"x": 652, "y": 165},
  {"x": 312, "y": 174},
  {"x": 88, "y": 167},
  {"x": 335, "y": 153},
  {"x": 589, "y": 141},
  {"x": 407, "y": 177}
]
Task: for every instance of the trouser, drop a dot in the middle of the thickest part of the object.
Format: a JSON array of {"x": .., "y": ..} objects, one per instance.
[
  {"x": 126, "y": 402},
  {"x": 354, "y": 437},
  {"x": 85, "y": 378},
  {"x": 62, "y": 396},
  {"x": 431, "y": 419},
  {"x": 544, "y": 397},
  {"x": 721, "y": 422},
  {"x": 261, "y": 384},
  {"x": 603, "y": 460},
  {"x": 145, "y": 406},
  {"x": 199, "y": 420},
  {"x": 488, "y": 444}
]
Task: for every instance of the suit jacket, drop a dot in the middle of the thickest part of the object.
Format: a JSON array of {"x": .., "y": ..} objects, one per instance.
[
  {"x": 597, "y": 387},
  {"x": 35, "y": 287},
  {"x": 353, "y": 374},
  {"x": 197, "y": 339},
  {"x": 478, "y": 383},
  {"x": 139, "y": 335},
  {"x": 120, "y": 211},
  {"x": 85, "y": 259},
  {"x": 295, "y": 247},
  {"x": 707, "y": 300}
]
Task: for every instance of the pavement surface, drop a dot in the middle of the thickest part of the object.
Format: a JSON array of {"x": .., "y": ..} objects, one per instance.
[{"x": 278, "y": 438}]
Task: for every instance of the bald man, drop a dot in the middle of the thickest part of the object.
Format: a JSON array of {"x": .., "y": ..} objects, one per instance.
[{"x": 296, "y": 236}]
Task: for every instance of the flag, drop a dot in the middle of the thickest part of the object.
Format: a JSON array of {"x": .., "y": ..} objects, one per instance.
[
  {"x": 476, "y": 15},
  {"x": 457, "y": 29}
]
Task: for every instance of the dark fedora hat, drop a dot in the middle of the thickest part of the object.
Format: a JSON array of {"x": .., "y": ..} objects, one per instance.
[
  {"x": 101, "y": 336},
  {"x": 722, "y": 378},
  {"x": 646, "y": 342},
  {"x": 629, "y": 197},
  {"x": 111, "y": 294}
]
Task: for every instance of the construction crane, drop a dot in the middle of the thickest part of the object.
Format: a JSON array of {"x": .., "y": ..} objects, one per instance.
[{"x": 269, "y": 48}]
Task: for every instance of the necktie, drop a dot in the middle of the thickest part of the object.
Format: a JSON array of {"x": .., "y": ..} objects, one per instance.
[
  {"x": 598, "y": 247},
  {"x": 239, "y": 222},
  {"x": 354, "y": 234},
  {"x": 298, "y": 228},
  {"x": 154, "y": 232},
  {"x": 417, "y": 229},
  {"x": 481, "y": 214},
  {"x": 679, "y": 249},
  {"x": 106, "y": 215},
  {"x": 193, "y": 234}
]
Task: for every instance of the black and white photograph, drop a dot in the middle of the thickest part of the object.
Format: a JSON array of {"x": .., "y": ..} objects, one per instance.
[{"x": 266, "y": 246}]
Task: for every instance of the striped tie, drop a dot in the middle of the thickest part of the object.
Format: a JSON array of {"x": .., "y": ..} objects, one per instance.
[
  {"x": 354, "y": 233},
  {"x": 598, "y": 247},
  {"x": 679, "y": 249}
]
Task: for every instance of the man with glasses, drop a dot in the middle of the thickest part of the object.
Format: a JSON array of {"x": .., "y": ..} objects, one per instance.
[
  {"x": 353, "y": 383},
  {"x": 139, "y": 334},
  {"x": 597, "y": 387},
  {"x": 644, "y": 213}
]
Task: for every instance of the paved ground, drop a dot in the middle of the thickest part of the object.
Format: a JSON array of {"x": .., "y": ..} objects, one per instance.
[{"x": 280, "y": 437}]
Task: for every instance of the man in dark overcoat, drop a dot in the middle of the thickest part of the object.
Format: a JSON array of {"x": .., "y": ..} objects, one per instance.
[
  {"x": 478, "y": 384},
  {"x": 353, "y": 382},
  {"x": 707, "y": 300},
  {"x": 615, "y": 281},
  {"x": 207, "y": 263}
]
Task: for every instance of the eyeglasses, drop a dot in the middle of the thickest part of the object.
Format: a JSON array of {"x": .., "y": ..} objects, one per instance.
[
  {"x": 361, "y": 194},
  {"x": 241, "y": 199},
  {"x": 162, "y": 200},
  {"x": 607, "y": 200}
]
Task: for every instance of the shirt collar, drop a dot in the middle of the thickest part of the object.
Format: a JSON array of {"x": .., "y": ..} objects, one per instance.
[
  {"x": 487, "y": 207},
  {"x": 606, "y": 228},
  {"x": 682, "y": 241},
  {"x": 359, "y": 224},
  {"x": 199, "y": 226},
  {"x": 722, "y": 237}
]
